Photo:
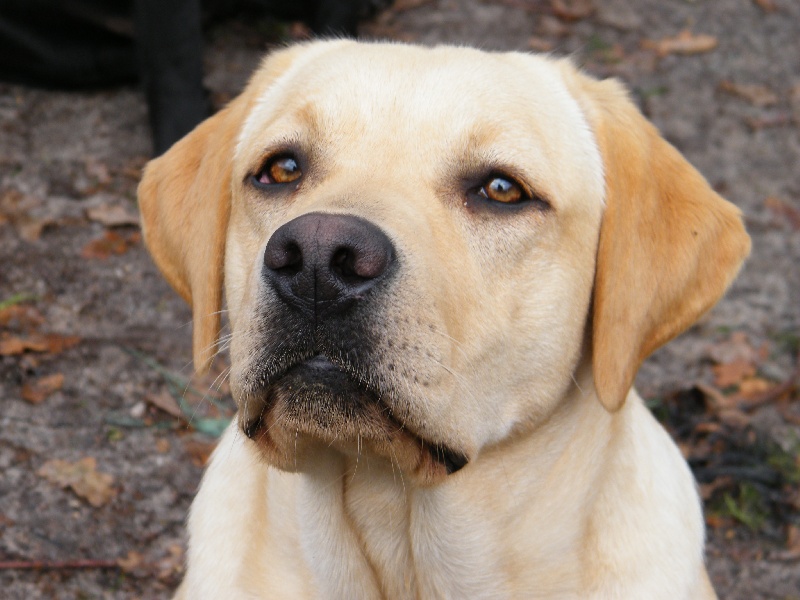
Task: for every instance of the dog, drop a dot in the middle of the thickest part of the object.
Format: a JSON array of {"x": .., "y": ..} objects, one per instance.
[{"x": 443, "y": 268}]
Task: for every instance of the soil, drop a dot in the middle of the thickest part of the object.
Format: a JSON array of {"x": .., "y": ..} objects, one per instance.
[{"x": 72, "y": 266}]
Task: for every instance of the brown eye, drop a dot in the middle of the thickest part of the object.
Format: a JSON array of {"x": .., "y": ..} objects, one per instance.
[
  {"x": 281, "y": 169},
  {"x": 502, "y": 190}
]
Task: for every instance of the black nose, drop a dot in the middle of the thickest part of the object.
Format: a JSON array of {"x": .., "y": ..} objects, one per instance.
[{"x": 325, "y": 263}]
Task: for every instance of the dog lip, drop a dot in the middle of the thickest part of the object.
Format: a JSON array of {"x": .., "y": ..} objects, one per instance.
[
  {"x": 453, "y": 461},
  {"x": 320, "y": 362}
]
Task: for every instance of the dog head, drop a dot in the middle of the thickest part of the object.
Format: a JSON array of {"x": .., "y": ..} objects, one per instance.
[{"x": 419, "y": 247}]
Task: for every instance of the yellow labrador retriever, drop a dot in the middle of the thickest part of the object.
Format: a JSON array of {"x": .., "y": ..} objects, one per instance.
[{"x": 443, "y": 268}]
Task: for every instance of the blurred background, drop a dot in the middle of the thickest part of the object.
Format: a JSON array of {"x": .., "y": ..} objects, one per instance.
[{"x": 103, "y": 428}]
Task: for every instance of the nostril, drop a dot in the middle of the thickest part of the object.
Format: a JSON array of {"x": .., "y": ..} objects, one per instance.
[
  {"x": 286, "y": 258},
  {"x": 354, "y": 264},
  {"x": 342, "y": 262}
]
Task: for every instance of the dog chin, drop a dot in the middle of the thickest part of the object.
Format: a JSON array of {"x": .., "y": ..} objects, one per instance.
[{"x": 316, "y": 406}]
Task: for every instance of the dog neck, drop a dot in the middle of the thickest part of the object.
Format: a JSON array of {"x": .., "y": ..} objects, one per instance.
[{"x": 364, "y": 524}]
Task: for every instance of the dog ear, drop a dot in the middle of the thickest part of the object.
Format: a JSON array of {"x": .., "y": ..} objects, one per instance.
[
  {"x": 669, "y": 245},
  {"x": 184, "y": 199},
  {"x": 185, "y": 202}
]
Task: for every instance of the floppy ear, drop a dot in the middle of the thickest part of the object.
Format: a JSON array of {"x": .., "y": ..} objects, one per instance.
[
  {"x": 185, "y": 201},
  {"x": 669, "y": 245},
  {"x": 184, "y": 198}
]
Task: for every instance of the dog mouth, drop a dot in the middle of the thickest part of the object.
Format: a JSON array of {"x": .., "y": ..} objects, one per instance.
[{"x": 322, "y": 402}]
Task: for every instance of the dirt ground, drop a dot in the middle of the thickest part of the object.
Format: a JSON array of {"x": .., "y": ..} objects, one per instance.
[{"x": 97, "y": 463}]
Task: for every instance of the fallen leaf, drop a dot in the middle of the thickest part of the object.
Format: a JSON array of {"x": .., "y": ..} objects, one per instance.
[
  {"x": 131, "y": 562},
  {"x": 51, "y": 343},
  {"x": 684, "y": 43},
  {"x": 778, "y": 119},
  {"x": 21, "y": 316},
  {"x": 113, "y": 215},
  {"x": 715, "y": 401},
  {"x": 754, "y": 386},
  {"x": 165, "y": 402},
  {"x": 38, "y": 391},
  {"x": 162, "y": 445},
  {"x": 732, "y": 373},
  {"x": 199, "y": 451},
  {"x": 19, "y": 209},
  {"x": 783, "y": 209},
  {"x": 736, "y": 347},
  {"x": 717, "y": 521},
  {"x": 538, "y": 44},
  {"x": 708, "y": 489},
  {"x": 404, "y": 5},
  {"x": 552, "y": 27},
  {"x": 767, "y": 6},
  {"x": 111, "y": 243},
  {"x": 98, "y": 171},
  {"x": 572, "y": 10},
  {"x": 757, "y": 95},
  {"x": 793, "y": 539},
  {"x": 172, "y": 564},
  {"x": 82, "y": 477},
  {"x": 299, "y": 31},
  {"x": 734, "y": 417},
  {"x": 213, "y": 383}
]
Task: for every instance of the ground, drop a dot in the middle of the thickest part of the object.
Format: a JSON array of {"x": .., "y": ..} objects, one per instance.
[{"x": 98, "y": 465}]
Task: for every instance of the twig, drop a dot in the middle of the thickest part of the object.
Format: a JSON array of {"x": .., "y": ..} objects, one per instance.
[
  {"x": 776, "y": 392},
  {"x": 57, "y": 565}
]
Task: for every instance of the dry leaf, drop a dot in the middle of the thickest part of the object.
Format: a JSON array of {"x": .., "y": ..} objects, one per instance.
[
  {"x": 736, "y": 347},
  {"x": 767, "y": 6},
  {"x": 82, "y": 477},
  {"x": 51, "y": 343},
  {"x": 131, "y": 562},
  {"x": 715, "y": 521},
  {"x": 715, "y": 400},
  {"x": 684, "y": 43},
  {"x": 215, "y": 382},
  {"x": 162, "y": 445},
  {"x": 172, "y": 564},
  {"x": 733, "y": 373},
  {"x": 39, "y": 390},
  {"x": 98, "y": 171},
  {"x": 404, "y": 5},
  {"x": 19, "y": 210},
  {"x": 538, "y": 44},
  {"x": 757, "y": 95},
  {"x": 164, "y": 401},
  {"x": 778, "y": 119},
  {"x": 572, "y": 10},
  {"x": 299, "y": 31},
  {"x": 199, "y": 451},
  {"x": 734, "y": 418},
  {"x": 754, "y": 387},
  {"x": 708, "y": 489},
  {"x": 21, "y": 316},
  {"x": 111, "y": 243},
  {"x": 783, "y": 209},
  {"x": 113, "y": 215},
  {"x": 793, "y": 539}
]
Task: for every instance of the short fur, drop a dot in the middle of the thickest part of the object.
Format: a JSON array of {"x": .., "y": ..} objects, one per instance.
[{"x": 510, "y": 336}]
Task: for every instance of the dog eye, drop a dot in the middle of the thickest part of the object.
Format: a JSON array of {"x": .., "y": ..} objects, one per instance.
[
  {"x": 501, "y": 189},
  {"x": 280, "y": 169}
]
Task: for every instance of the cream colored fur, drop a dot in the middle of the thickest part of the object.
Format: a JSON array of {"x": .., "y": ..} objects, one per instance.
[{"x": 512, "y": 336}]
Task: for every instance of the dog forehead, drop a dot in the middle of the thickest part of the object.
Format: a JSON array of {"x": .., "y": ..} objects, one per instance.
[{"x": 444, "y": 92}]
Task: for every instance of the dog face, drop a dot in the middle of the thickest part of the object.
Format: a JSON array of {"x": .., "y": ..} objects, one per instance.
[{"x": 420, "y": 247}]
